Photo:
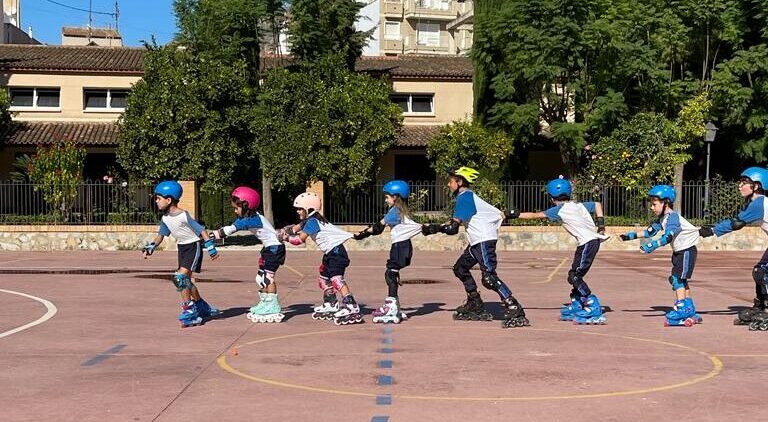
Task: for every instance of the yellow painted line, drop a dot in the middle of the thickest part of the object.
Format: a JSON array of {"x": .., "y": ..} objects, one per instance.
[
  {"x": 49, "y": 313},
  {"x": 740, "y": 356},
  {"x": 552, "y": 274},
  {"x": 295, "y": 271},
  {"x": 717, "y": 368}
]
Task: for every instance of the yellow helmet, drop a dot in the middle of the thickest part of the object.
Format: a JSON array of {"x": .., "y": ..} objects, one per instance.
[{"x": 469, "y": 174}]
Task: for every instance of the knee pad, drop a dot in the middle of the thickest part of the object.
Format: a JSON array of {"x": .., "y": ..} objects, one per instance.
[
  {"x": 461, "y": 272},
  {"x": 676, "y": 282},
  {"x": 264, "y": 278},
  {"x": 392, "y": 277},
  {"x": 579, "y": 285},
  {"x": 492, "y": 281},
  {"x": 182, "y": 281},
  {"x": 759, "y": 275},
  {"x": 324, "y": 284},
  {"x": 338, "y": 282}
]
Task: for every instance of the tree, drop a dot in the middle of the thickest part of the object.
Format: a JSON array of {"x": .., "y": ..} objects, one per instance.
[
  {"x": 323, "y": 28},
  {"x": 185, "y": 119},
  {"x": 57, "y": 171},
  {"x": 5, "y": 114},
  {"x": 469, "y": 143},
  {"x": 319, "y": 121}
]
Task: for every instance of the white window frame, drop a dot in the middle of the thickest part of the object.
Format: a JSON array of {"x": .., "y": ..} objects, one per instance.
[
  {"x": 410, "y": 95},
  {"x": 392, "y": 37},
  {"x": 108, "y": 108},
  {"x": 432, "y": 41},
  {"x": 34, "y": 106}
]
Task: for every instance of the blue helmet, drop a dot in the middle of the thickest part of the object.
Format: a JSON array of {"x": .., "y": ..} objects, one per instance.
[
  {"x": 169, "y": 188},
  {"x": 663, "y": 192},
  {"x": 757, "y": 174},
  {"x": 397, "y": 187},
  {"x": 559, "y": 187}
]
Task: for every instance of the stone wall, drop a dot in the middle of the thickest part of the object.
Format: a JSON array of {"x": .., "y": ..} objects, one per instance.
[{"x": 515, "y": 238}]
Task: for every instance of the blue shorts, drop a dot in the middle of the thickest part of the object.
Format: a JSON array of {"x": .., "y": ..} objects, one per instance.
[
  {"x": 191, "y": 256},
  {"x": 335, "y": 262}
]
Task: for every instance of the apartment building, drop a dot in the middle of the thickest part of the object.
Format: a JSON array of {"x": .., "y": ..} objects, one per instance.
[{"x": 435, "y": 27}]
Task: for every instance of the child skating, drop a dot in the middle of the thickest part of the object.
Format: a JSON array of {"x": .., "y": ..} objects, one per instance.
[
  {"x": 178, "y": 223},
  {"x": 396, "y": 193},
  {"x": 482, "y": 222},
  {"x": 330, "y": 239},
  {"x": 752, "y": 189},
  {"x": 577, "y": 220},
  {"x": 245, "y": 201},
  {"x": 683, "y": 236}
]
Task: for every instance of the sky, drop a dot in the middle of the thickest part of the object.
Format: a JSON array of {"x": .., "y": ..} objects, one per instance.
[{"x": 139, "y": 19}]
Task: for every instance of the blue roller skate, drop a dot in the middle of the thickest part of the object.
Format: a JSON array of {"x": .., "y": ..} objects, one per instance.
[
  {"x": 591, "y": 312},
  {"x": 696, "y": 317},
  {"x": 189, "y": 315},
  {"x": 681, "y": 315},
  {"x": 205, "y": 310},
  {"x": 567, "y": 312}
]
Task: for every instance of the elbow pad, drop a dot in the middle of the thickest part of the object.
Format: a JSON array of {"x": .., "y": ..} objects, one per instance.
[
  {"x": 450, "y": 228},
  {"x": 737, "y": 224},
  {"x": 377, "y": 228}
]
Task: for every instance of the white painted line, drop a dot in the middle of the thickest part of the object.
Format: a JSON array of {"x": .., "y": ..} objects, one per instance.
[{"x": 48, "y": 314}]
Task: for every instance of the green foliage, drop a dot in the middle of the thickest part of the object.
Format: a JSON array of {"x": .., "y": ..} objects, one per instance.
[
  {"x": 319, "y": 121},
  {"x": 640, "y": 152},
  {"x": 57, "y": 171},
  {"x": 186, "y": 120},
  {"x": 21, "y": 166},
  {"x": 5, "y": 114},
  {"x": 463, "y": 143},
  {"x": 724, "y": 199},
  {"x": 691, "y": 121},
  {"x": 326, "y": 28}
]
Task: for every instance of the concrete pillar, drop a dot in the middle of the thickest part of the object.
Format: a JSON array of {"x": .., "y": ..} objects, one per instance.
[
  {"x": 319, "y": 189},
  {"x": 189, "y": 198}
]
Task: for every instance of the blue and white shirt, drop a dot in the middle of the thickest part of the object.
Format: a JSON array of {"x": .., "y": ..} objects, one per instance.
[
  {"x": 326, "y": 235},
  {"x": 402, "y": 227},
  {"x": 576, "y": 218},
  {"x": 481, "y": 219},
  {"x": 258, "y": 225},
  {"x": 181, "y": 226},
  {"x": 755, "y": 211},
  {"x": 685, "y": 234}
]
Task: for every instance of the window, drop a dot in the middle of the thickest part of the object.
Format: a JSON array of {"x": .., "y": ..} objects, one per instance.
[
  {"x": 35, "y": 98},
  {"x": 434, "y": 4},
  {"x": 428, "y": 34},
  {"x": 104, "y": 99},
  {"x": 392, "y": 30},
  {"x": 414, "y": 103}
]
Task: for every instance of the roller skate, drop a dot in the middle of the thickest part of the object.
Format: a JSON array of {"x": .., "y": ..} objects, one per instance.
[
  {"x": 349, "y": 312},
  {"x": 389, "y": 312},
  {"x": 759, "y": 322},
  {"x": 325, "y": 311},
  {"x": 591, "y": 313},
  {"x": 514, "y": 314},
  {"x": 695, "y": 317},
  {"x": 569, "y": 311},
  {"x": 256, "y": 309},
  {"x": 189, "y": 315},
  {"x": 680, "y": 315},
  {"x": 472, "y": 310},
  {"x": 747, "y": 315},
  {"x": 205, "y": 310},
  {"x": 269, "y": 311}
]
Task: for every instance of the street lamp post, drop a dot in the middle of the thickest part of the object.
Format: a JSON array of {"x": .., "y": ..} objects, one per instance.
[{"x": 709, "y": 138}]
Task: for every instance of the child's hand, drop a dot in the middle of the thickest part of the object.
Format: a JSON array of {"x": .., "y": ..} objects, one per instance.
[
  {"x": 363, "y": 234},
  {"x": 706, "y": 231},
  {"x": 212, "y": 252},
  {"x": 649, "y": 247},
  {"x": 628, "y": 236},
  {"x": 148, "y": 249},
  {"x": 511, "y": 214}
]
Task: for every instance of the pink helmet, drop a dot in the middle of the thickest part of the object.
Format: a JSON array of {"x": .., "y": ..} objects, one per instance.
[
  {"x": 308, "y": 201},
  {"x": 249, "y": 198}
]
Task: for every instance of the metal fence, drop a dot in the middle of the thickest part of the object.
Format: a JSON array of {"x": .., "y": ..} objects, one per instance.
[
  {"x": 95, "y": 203},
  {"x": 620, "y": 204}
]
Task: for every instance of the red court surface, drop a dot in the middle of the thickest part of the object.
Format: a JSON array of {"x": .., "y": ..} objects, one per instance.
[{"x": 113, "y": 350}]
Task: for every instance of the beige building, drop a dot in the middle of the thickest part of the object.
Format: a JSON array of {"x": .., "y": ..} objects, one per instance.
[
  {"x": 105, "y": 37},
  {"x": 78, "y": 93},
  {"x": 436, "y": 27}
]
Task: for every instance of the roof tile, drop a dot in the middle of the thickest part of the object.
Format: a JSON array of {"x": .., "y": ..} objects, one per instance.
[{"x": 46, "y": 133}]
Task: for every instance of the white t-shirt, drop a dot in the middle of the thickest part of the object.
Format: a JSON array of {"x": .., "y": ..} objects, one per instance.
[
  {"x": 576, "y": 218},
  {"x": 481, "y": 219}
]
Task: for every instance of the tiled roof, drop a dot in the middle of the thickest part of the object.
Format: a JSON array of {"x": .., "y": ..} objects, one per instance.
[
  {"x": 416, "y": 136},
  {"x": 46, "y": 133},
  {"x": 69, "y": 31},
  {"x": 72, "y": 58},
  {"x": 412, "y": 66}
]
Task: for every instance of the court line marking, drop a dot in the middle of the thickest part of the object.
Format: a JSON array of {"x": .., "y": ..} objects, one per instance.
[
  {"x": 49, "y": 313},
  {"x": 739, "y": 356},
  {"x": 552, "y": 274},
  {"x": 717, "y": 368}
]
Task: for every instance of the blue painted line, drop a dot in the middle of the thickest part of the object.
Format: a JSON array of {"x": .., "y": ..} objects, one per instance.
[
  {"x": 385, "y": 364},
  {"x": 384, "y": 380},
  {"x": 387, "y": 329},
  {"x": 386, "y": 340},
  {"x": 386, "y": 350},
  {"x": 103, "y": 355},
  {"x": 384, "y": 399},
  {"x": 380, "y": 419}
]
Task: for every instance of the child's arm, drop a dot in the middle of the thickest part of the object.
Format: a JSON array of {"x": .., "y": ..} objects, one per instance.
[
  {"x": 149, "y": 248},
  {"x": 594, "y": 207},
  {"x": 200, "y": 231},
  {"x": 753, "y": 212},
  {"x": 673, "y": 228},
  {"x": 244, "y": 223},
  {"x": 374, "y": 229},
  {"x": 532, "y": 215},
  {"x": 648, "y": 233},
  {"x": 449, "y": 228}
]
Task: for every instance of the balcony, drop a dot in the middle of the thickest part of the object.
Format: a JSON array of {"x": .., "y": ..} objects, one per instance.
[
  {"x": 430, "y": 9},
  {"x": 392, "y": 9},
  {"x": 413, "y": 47},
  {"x": 392, "y": 46}
]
